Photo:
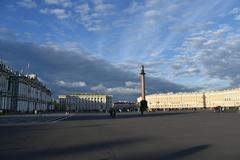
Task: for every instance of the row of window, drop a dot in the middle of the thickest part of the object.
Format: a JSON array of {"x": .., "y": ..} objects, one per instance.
[
  {"x": 82, "y": 101},
  {"x": 3, "y": 83},
  {"x": 172, "y": 100},
  {"x": 28, "y": 91},
  {"x": 30, "y": 106},
  {"x": 87, "y": 100}
]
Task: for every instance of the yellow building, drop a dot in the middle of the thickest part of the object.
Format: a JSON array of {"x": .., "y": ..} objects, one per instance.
[
  {"x": 226, "y": 98},
  {"x": 190, "y": 100},
  {"x": 86, "y": 102}
]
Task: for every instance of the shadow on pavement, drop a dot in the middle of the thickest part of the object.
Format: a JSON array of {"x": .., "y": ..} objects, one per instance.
[
  {"x": 184, "y": 152},
  {"x": 79, "y": 150},
  {"x": 181, "y": 154},
  {"x": 95, "y": 148}
]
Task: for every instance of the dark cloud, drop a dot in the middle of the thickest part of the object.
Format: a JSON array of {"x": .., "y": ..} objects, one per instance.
[{"x": 59, "y": 65}]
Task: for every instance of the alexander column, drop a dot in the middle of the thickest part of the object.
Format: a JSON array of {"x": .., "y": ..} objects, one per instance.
[{"x": 143, "y": 103}]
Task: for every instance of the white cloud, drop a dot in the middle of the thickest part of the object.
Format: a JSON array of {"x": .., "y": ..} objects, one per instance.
[
  {"x": 132, "y": 84},
  {"x": 152, "y": 18},
  {"x": 222, "y": 30},
  {"x": 211, "y": 54},
  {"x": 235, "y": 12},
  {"x": 82, "y": 8},
  {"x": 99, "y": 88},
  {"x": 28, "y": 4},
  {"x": 6, "y": 33},
  {"x": 121, "y": 23},
  {"x": 64, "y": 3},
  {"x": 71, "y": 84},
  {"x": 155, "y": 52},
  {"x": 152, "y": 13},
  {"x": 131, "y": 88},
  {"x": 74, "y": 48},
  {"x": 134, "y": 8},
  {"x": 152, "y": 3},
  {"x": 237, "y": 17},
  {"x": 123, "y": 90},
  {"x": 59, "y": 13},
  {"x": 103, "y": 7},
  {"x": 92, "y": 16}
]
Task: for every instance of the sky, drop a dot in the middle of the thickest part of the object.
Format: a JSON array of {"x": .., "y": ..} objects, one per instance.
[{"x": 99, "y": 45}]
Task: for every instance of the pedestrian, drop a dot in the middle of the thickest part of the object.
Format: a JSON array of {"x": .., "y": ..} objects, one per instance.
[
  {"x": 111, "y": 112},
  {"x": 114, "y": 113}
]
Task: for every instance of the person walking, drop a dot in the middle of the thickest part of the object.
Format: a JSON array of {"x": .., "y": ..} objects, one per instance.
[
  {"x": 111, "y": 112},
  {"x": 114, "y": 113}
]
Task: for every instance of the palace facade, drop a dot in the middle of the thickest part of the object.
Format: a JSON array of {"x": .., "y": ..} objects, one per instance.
[
  {"x": 5, "y": 93},
  {"x": 22, "y": 93},
  {"x": 198, "y": 100},
  {"x": 85, "y": 102}
]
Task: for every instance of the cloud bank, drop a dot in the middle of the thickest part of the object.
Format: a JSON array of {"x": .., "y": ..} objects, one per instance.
[{"x": 68, "y": 72}]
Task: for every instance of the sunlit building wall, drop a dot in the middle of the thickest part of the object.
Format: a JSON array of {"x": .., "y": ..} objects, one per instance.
[
  {"x": 226, "y": 98},
  {"x": 210, "y": 99},
  {"x": 86, "y": 102}
]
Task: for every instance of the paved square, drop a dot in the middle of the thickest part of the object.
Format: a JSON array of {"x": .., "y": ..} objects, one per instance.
[{"x": 174, "y": 135}]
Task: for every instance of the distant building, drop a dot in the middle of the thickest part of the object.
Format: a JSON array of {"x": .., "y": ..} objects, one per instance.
[
  {"x": 226, "y": 98},
  {"x": 22, "y": 93},
  {"x": 86, "y": 102},
  {"x": 125, "y": 106}
]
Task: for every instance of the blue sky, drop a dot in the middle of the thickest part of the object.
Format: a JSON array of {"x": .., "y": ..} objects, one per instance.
[{"x": 99, "y": 45}]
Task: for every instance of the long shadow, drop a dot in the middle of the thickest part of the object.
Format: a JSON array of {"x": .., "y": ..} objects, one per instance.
[
  {"x": 181, "y": 154},
  {"x": 91, "y": 148},
  {"x": 184, "y": 152},
  {"x": 82, "y": 117}
]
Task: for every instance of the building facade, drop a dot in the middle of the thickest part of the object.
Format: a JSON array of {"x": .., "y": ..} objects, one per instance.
[
  {"x": 197, "y": 100},
  {"x": 226, "y": 98},
  {"x": 23, "y": 93},
  {"x": 5, "y": 94},
  {"x": 85, "y": 102},
  {"x": 29, "y": 94}
]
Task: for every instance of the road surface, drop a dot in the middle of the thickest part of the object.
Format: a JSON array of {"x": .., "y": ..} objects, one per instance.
[{"x": 164, "y": 135}]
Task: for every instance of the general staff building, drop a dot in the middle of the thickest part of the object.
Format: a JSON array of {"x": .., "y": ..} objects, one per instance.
[{"x": 226, "y": 98}]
